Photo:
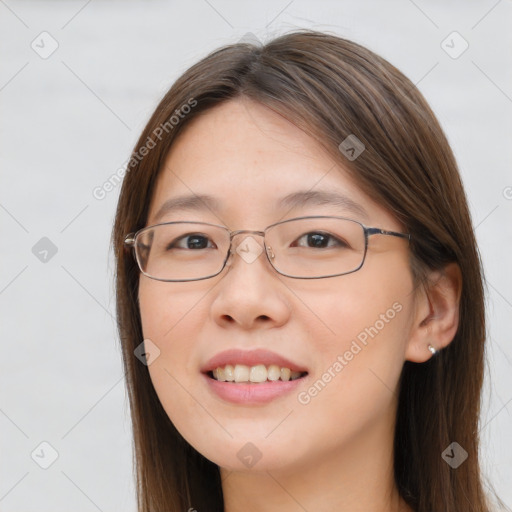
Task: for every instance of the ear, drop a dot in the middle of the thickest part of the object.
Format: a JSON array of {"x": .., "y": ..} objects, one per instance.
[{"x": 436, "y": 316}]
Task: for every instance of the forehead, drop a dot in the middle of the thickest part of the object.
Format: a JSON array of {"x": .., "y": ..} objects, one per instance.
[
  {"x": 245, "y": 141},
  {"x": 248, "y": 159}
]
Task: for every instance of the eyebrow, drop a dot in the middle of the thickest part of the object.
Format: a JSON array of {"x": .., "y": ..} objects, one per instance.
[
  {"x": 322, "y": 198},
  {"x": 299, "y": 199}
]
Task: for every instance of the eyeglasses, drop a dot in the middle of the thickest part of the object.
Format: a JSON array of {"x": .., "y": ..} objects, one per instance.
[{"x": 302, "y": 248}]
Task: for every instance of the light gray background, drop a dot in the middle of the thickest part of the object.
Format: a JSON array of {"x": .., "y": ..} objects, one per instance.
[{"x": 69, "y": 121}]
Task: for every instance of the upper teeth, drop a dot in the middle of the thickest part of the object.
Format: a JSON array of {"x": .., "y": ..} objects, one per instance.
[{"x": 258, "y": 373}]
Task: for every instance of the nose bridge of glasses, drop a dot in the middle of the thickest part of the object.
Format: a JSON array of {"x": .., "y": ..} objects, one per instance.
[
  {"x": 247, "y": 244},
  {"x": 247, "y": 233}
]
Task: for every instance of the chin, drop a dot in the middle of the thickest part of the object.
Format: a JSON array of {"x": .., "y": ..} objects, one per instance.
[{"x": 244, "y": 455}]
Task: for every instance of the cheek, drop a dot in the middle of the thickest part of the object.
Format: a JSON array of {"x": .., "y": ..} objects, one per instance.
[
  {"x": 356, "y": 380},
  {"x": 159, "y": 309},
  {"x": 172, "y": 312},
  {"x": 361, "y": 355},
  {"x": 375, "y": 301},
  {"x": 366, "y": 306},
  {"x": 172, "y": 319}
]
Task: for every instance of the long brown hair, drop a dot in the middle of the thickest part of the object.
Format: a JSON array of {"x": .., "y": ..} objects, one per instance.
[{"x": 331, "y": 88}]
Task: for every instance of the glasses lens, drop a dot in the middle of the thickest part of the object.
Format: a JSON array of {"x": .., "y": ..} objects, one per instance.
[
  {"x": 182, "y": 250},
  {"x": 316, "y": 247}
]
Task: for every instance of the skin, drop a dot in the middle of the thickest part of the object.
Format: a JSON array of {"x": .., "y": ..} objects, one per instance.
[{"x": 334, "y": 453}]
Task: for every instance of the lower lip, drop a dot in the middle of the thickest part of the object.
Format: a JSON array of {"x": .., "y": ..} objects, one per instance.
[{"x": 259, "y": 393}]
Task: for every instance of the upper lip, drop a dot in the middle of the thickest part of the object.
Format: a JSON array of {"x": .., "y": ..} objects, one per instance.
[{"x": 250, "y": 358}]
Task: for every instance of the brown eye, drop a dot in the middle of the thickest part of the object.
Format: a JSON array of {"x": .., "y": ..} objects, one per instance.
[
  {"x": 319, "y": 240},
  {"x": 192, "y": 241}
]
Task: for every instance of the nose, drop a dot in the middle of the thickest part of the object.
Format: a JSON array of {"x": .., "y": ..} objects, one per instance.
[{"x": 250, "y": 293}]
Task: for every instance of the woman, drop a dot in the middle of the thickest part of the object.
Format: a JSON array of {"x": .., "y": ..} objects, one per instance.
[{"x": 299, "y": 291}]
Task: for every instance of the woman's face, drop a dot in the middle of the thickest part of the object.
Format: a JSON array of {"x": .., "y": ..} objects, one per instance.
[{"x": 349, "y": 333}]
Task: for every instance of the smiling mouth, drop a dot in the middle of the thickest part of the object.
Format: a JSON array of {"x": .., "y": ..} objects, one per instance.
[{"x": 243, "y": 374}]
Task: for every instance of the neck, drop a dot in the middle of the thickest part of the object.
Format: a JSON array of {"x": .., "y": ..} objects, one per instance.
[{"x": 356, "y": 477}]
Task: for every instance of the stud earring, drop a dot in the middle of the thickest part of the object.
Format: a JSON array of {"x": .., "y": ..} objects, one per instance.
[{"x": 432, "y": 349}]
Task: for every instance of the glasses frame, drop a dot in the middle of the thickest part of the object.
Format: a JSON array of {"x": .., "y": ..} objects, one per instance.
[{"x": 131, "y": 240}]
